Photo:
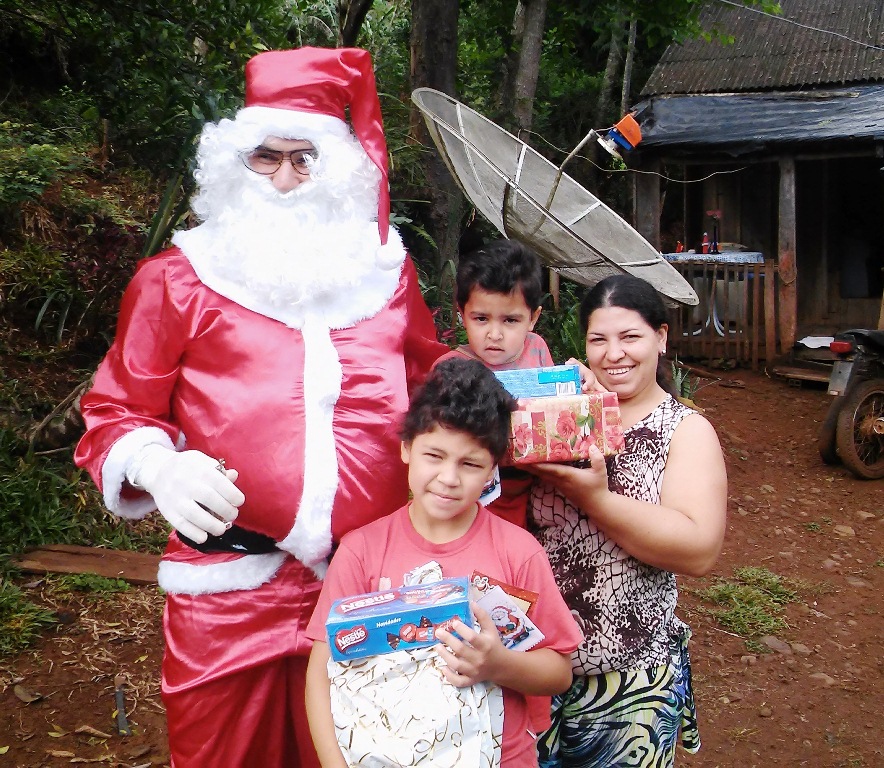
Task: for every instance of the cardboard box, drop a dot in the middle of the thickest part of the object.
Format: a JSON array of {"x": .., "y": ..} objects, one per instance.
[
  {"x": 395, "y": 619},
  {"x": 562, "y": 429},
  {"x": 552, "y": 381}
]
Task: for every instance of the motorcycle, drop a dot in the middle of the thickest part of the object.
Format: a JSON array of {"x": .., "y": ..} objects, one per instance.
[{"x": 853, "y": 431}]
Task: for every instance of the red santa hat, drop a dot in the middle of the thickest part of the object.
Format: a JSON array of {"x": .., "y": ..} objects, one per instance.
[{"x": 316, "y": 85}]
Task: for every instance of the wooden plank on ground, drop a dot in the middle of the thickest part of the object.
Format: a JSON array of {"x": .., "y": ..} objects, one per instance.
[
  {"x": 134, "y": 567},
  {"x": 803, "y": 374}
]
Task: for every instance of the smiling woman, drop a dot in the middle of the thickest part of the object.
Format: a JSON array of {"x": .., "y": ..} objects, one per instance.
[{"x": 616, "y": 534}]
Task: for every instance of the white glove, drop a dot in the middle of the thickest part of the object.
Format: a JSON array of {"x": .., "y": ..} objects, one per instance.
[{"x": 189, "y": 489}]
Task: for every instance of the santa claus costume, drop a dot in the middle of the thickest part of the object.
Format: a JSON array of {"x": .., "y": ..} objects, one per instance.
[{"x": 281, "y": 335}]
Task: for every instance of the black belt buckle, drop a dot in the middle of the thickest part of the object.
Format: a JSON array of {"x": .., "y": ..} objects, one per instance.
[{"x": 235, "y": 539}]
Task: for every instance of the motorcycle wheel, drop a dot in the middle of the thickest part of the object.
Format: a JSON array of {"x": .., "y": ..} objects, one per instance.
[
  {"x": 826, "y": 440},
  {"x": 860, "y": 430}
]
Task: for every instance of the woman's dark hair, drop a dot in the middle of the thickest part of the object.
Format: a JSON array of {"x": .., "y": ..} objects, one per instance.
[
  {"x": 464, "y": 395},
  {"x": 501, "y": 266},
  {"x": 629, "y": 292}
]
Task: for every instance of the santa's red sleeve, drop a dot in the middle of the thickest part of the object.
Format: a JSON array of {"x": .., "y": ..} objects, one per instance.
[
  {"x": 128, "y": 405},
  {"x": 422, "y": 347}
]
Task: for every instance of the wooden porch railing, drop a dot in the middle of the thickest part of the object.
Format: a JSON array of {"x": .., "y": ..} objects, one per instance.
[{"x": 736, "y": 318}]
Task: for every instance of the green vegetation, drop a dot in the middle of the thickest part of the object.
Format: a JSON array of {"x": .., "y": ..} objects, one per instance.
[
  {"x": 44, "y": 499},
  {"x": 90, "y": 584},
  {"x": 752, "y": 603},
  {"x": 72, "y": 226},
  {"x": 561, "y": 327},
  {"x": 21, "y": 622},
  {"x": 47, "y": 500},
  {"x": 685, "y": 385}
]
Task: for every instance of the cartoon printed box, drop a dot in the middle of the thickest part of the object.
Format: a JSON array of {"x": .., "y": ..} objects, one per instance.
[
  {"x": 561, "y": 429},
  {"x": 395, "y": 619},
  {"x": 551, "y": 381}
]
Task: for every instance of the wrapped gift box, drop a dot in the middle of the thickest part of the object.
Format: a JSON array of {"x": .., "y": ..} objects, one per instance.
[
  {"x": 395, "y": 619},
  {"x": 561, "y": 429}
]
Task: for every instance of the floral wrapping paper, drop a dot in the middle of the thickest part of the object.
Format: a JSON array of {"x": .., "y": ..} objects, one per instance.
[
  {"x": 397, "y": 710},
  {"x": 560, "y": 429}
]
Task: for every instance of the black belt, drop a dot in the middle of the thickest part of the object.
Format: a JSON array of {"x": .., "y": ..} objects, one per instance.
[{"x": 235, "y": 539}]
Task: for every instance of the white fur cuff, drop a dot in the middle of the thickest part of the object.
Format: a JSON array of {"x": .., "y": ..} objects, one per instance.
[
  {"x": 247, "y": 572},
  {"x": 113, "y": 471}
]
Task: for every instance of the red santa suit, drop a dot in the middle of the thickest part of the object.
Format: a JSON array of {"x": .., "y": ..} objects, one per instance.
[
  {"x": 303, "y": 399},
  {"x": 308, "y": 416}
]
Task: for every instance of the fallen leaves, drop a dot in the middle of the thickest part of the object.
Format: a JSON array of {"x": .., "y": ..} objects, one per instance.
[
  {"x": 26, "y": 694},
  {"x": 90, "y": 731}
]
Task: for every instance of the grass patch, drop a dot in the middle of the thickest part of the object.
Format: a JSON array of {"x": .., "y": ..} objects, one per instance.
[
  {"x": 751, "y": 604},
  {"x": 47, "y": 500},
  {"x": 89, "y": 583},
  {"x": 21, "y": 621}
]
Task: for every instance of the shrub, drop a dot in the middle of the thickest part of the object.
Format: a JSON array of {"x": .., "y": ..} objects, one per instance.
[{"x": 46, "y": 500}]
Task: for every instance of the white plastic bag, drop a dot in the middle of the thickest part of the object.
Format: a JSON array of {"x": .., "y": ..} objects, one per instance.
[{"x": 396, "y": 710}]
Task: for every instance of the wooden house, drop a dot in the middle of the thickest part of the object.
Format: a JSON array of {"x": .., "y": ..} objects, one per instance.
[{"x": 776, "y": 141}]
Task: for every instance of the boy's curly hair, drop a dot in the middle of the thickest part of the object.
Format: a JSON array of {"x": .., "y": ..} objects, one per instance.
[{"x": 464, "y": 395}]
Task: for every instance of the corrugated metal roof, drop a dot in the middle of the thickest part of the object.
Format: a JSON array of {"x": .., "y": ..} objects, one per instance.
[
  {"x": 753, "y": 123},
  {"x": 771, "y": 53}
]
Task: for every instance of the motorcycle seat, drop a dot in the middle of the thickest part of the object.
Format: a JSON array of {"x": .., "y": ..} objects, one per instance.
[{"x": 872, "y": 338}]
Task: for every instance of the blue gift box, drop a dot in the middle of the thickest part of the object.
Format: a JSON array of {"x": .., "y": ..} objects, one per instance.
[{"x": 395, "y": 619}]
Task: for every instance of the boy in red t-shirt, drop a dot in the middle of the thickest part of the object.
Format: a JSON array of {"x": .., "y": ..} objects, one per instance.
[
  {"x": 455, "y": 431},
  {"x": 499, "y": 289}
]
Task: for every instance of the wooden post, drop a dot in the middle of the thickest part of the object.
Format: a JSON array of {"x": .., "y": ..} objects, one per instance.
[
  {"x": 788, "y": 269},
  {"x": 770, "y": 317},
  {"x": 881, "y": 314},
  {"x": 646, "y": 203},
  {"x": 554, "y": 288},
  {"x": 757, "y": 276}
]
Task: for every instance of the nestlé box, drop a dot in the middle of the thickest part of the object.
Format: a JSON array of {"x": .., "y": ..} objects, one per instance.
[{"x": 394, "y": 619}]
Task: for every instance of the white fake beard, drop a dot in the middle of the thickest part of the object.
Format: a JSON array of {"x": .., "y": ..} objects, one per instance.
[{"x": 295, "y": 248}]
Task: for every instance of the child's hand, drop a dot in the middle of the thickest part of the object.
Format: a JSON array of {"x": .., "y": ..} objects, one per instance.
[
  {"x": 473, "y": 657},
  {"x": 587, "y": 377}
]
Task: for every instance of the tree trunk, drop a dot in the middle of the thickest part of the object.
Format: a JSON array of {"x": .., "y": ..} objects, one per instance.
[
  {"x": 627, "y": 67},
  {"x": 434, "y": 65},
  {"x": 351, "y": 14},
  {"x": 606, "y": 94},
  {"x": 532, "y": 23}
]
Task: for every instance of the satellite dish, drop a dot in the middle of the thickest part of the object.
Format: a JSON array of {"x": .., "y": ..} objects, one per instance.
[{"x": 529, "y": 199}]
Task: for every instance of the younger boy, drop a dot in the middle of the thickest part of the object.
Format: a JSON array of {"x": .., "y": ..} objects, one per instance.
[
  {"x": 499, "y": 290},
  {"x": 455, "y": 431}
]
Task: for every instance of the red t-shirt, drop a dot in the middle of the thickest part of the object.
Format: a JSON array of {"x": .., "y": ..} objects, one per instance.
[
  {"x": 515, "y": 484},
  {"x": 390, "y": 547}
]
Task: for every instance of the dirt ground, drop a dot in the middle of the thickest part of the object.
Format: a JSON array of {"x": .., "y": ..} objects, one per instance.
[{"x": 812, "y": 700}]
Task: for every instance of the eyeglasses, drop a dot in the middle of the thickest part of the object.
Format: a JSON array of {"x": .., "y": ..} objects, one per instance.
[{"x": 268, "y": 161}]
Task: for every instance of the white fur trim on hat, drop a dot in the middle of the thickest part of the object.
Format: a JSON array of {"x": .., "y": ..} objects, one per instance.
[{"x": 296, "y": 124}]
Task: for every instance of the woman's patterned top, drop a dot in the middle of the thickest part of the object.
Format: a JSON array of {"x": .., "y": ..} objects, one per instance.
[{"x": 625, "y": 607}]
